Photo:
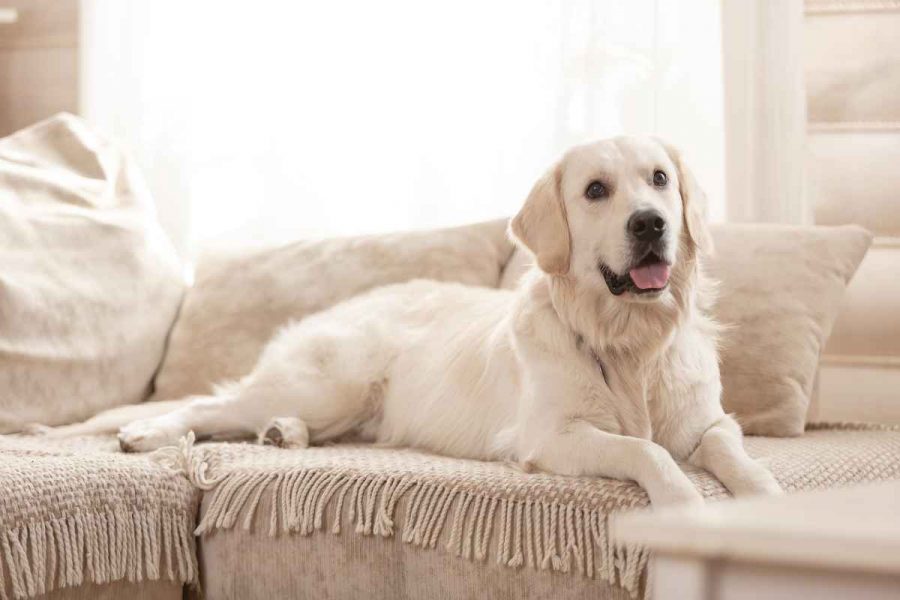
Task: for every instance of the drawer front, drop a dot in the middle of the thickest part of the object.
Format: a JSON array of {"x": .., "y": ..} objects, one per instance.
[
  {"x": 36, "y": 83},
  {"x": 868, "y": 327},
  {"x": 854, "y": 178},
  {"x": 859, "y": 392},
  {"x": 40, "y": 24},
  {"x": 853, "y": 66}
]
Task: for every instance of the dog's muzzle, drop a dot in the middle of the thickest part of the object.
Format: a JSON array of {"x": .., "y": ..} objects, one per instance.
[{"x": 648, "y": 275}]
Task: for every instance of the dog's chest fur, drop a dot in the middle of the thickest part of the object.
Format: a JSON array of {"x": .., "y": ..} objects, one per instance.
[{"x": 669, "y": 395}]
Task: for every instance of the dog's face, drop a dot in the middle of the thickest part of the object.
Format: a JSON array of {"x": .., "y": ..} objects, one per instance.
[{"x": 617, "y": 214}]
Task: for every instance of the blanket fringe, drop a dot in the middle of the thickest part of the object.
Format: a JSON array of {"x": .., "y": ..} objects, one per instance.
[
  {"x": 187, "y": 459},
  {"x": 97, "y": 547},
  {"x": 542, "y": 535}
]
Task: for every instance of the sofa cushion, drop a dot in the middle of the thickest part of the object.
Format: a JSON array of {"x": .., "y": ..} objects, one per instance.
[
  {"x": 76, "y": 512},
  {"x": 89, "y": 285},
  {"x": 780, "y": 290},
  {"x": 242, "y": 296},
  {"x": 547, "y": 525}
]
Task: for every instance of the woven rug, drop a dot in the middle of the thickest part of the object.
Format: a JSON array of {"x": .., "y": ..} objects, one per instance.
[
  {"x": 79, "y": 511},
  {"x": 488, "y": 511}
]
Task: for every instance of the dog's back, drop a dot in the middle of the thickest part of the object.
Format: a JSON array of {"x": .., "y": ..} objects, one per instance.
[{"x": 424, "y": 364}]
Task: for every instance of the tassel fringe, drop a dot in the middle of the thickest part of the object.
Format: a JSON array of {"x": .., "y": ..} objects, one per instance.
[
  {"x": 540, "y": 535},
  {"x": 98, "y": 547}
]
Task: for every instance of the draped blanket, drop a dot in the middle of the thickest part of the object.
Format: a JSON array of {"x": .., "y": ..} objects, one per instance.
[
  {"x": 79, "y": 511},
  {"x": 486, "y": 511}
]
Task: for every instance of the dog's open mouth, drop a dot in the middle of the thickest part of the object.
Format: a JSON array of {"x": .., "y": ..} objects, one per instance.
[{"x": 650, "y": 274}]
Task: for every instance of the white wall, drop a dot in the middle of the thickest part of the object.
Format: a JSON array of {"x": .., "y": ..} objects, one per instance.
[{"x": 275, "y": 119}]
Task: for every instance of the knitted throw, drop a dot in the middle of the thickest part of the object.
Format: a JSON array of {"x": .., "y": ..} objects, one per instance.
[
  {"x": 488, "y": 511},
  {"x": 78, "y": 511}
]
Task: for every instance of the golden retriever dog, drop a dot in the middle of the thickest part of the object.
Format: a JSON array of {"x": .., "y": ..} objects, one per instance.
[{"x": 602, "y": 363}]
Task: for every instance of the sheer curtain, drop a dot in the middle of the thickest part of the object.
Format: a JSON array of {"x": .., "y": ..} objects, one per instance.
[
  {"x": 765, "y": 123},
  {"x": 270, "y": 119}
]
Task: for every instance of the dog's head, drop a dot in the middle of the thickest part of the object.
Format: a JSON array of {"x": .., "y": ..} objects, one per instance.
[{"x": 620, "y": 214}]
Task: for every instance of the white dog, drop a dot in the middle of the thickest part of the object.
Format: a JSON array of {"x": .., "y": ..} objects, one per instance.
[{"x": 602, "y": 363}]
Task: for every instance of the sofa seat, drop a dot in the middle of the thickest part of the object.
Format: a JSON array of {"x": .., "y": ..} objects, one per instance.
[
  {"x": 353, "y": 521},
  {"x": 79, "y": 519}
]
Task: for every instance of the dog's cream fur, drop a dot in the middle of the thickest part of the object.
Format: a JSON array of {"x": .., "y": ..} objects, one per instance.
[{"x": 558, "y": 375}]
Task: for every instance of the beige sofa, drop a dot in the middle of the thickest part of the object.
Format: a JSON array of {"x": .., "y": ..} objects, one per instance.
[{"x": 80, "y": 520}]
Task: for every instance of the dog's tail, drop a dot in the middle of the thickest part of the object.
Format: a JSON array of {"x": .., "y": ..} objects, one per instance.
[{"x": 108, "y": 421}]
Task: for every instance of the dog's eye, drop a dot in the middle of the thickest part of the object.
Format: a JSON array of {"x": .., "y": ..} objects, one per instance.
[
  {"x": 660, "y": 179},
  {"x": 596, "y": 191}
]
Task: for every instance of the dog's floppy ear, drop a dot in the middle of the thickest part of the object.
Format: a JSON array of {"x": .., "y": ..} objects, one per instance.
[
  {"x": 541, "y": 224},
  {"x": 693, "y": 201}
]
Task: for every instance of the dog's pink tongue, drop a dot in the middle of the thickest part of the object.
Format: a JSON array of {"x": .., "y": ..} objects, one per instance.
[{"x": 653, "y": 276}]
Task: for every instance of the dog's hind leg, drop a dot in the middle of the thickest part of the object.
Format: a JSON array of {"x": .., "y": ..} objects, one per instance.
[
  {"x": 285, "y": 432},
  {"x": 325, "y": 407},
  {"x": 223, "y": 414},
  {"x": 109, "y": 421},
  {"x": 319, "y": 376}
]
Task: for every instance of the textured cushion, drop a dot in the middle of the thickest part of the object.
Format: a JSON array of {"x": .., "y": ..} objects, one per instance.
[
  {"x": 89, "y": 285},
  {"x": 408, "y": 522},
  {"x": 781, "y": 289},
  {"x": 240, "y": 297}
]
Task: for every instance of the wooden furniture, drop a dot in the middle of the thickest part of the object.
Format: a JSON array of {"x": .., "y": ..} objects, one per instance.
[
  {"x": 38, "y": 61},
  {"x": 851, "y": 56},
  {"x": 839, "y": 543}
]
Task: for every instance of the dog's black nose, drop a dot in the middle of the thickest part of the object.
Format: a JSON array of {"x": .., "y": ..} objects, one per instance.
[{"x": 647, "y": 225}]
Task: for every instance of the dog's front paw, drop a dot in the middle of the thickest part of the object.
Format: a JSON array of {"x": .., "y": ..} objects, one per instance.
[
  {"x": 149, "y": 434},
  {"x": 675, "y": 493},
  {"x": 285, "y": 432},
  {"x": 756, "y": 479},
  {"x": 766, "y": 481}
]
